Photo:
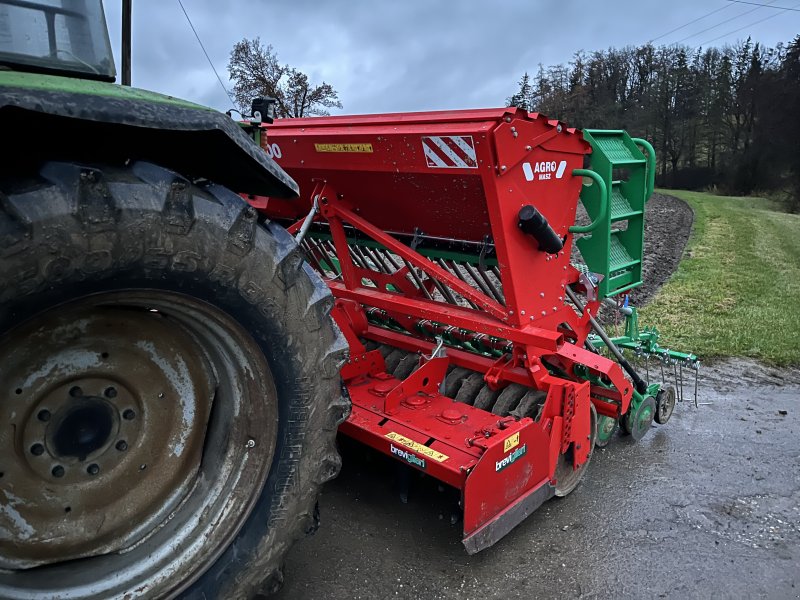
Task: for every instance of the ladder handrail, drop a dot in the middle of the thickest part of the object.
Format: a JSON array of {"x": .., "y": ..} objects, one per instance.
[
  {"x": 651, "y": 165},
  {"x": 603, "y": 201}
]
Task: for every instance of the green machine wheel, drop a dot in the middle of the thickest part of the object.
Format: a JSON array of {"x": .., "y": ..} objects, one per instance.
[
  {"x": 638, "y": 423},
  {"x": 665, "y": 404},
  {"x": 606, "y": 426}
]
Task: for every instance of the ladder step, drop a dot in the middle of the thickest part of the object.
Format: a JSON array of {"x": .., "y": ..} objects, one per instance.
[
  {"x": 616, "y": 151},
  {"x": 620, "y": 207},
  {"x": 619, "y": 280},
  {"x": 618, "y": 256},
  {"x": 616, "y": 253}
]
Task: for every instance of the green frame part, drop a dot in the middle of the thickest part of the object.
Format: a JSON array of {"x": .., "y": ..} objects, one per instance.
[
  {"x": 613, "y": 244},
  {"x": 644, "y": 342}
]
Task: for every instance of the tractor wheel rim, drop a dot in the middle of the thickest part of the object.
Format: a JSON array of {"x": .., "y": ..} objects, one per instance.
[{"x": 123, "y": 409}]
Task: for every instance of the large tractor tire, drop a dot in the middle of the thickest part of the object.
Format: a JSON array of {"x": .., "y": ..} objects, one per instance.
[{"x": 169, "y": 388}]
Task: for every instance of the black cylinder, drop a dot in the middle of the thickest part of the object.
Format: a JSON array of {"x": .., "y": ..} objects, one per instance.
[{"x": 532, "y": 222}]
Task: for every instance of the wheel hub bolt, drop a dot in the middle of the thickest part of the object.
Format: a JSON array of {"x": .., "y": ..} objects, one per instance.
[
  {"x": 122, "y": 445},
  {"x": 128, "y": 414},
  {"x": 111, "y": 392},
  {"x": 37, "y": 449},
  {"x": 58, "y": 471},
  {"x": 93, "y": 469},
  {"x": 44, "y": 415},
  {"x": 75, "y": 392}
]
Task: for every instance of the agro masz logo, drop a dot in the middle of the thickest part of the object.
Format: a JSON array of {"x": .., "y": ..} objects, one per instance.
[
  {"x": 546, "y": 169},
  {"x": 407, "y": 456},
  {"x": 511, "y": 458}
]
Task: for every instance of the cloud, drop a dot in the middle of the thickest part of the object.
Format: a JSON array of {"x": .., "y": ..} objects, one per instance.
[{"x": 403, "y": 56}]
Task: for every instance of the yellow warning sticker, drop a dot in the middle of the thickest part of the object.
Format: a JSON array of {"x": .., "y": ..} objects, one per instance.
[
  {"x": 362, "y": 148},
  {"x": 510, "y": 442},
  {"x": 417, "y": 447}
]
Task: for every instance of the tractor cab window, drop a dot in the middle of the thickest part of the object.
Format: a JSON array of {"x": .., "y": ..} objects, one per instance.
[{"x": 61, "y": 36}]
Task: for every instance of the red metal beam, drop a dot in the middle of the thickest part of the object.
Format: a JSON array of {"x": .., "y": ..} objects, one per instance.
[
  {"x": 333, "y": 208},
  {"x": 467, "y": 318}
]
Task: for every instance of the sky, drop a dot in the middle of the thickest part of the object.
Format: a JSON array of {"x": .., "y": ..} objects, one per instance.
[{"x": 398, "y": 56}]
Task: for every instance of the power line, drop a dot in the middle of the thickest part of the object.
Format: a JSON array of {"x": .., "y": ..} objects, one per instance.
[
  {"x": 747, "y": 12},
  {"x": 764, "y": 5},
  {"x": 777, "y": 14},
  {"x": 208, "y": 58},
  {"x": 690, "y": 23}
]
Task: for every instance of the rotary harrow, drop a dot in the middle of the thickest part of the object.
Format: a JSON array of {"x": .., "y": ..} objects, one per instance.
[{"x": 475, "y": 354}]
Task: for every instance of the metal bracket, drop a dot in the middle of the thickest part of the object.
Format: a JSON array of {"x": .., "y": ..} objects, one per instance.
[
  {"x": 590, "y": 281},
  {"x": 487, "y": 247},
  {"x": 308, "y": 220},
  {"x": 415, "y": 241}
]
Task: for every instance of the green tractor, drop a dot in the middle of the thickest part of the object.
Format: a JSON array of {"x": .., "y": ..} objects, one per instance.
[{"x": 169, "y": 373}]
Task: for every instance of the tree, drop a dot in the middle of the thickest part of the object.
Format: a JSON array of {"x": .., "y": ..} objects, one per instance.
[
  {"x": 522, "y": 99},
  {"x": 778, "y": 127},
  {"x": 256, "y": 72}
]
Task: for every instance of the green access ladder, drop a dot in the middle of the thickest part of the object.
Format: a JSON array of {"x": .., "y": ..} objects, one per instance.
[{"x": 614, "y": 247}]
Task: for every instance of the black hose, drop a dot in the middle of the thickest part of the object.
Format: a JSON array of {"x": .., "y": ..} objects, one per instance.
[{"x": 638, "y": 382}]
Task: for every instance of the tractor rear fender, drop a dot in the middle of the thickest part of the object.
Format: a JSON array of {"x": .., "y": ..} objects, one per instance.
[{"x": 45, "y": 117}]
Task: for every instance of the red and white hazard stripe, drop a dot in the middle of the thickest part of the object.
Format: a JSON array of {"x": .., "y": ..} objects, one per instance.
[{"x": 450, "y": 152}]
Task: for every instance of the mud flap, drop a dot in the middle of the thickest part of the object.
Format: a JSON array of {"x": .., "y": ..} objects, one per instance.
[
  {"x": 509, "y": 482},
  {"x": 491, "y": 532}
]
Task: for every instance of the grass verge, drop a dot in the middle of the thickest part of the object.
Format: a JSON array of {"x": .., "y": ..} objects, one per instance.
[{"x": 737, "y": 289}]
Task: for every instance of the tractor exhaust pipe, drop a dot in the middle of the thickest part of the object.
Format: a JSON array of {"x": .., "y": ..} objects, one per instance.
[{"x": 126, "y": 42}]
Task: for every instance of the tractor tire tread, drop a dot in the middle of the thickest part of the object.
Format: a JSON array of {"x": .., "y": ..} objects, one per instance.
[{"x": 85, "y": 223}]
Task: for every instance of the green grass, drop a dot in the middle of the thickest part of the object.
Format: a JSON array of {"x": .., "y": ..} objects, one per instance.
[{"x": 737, "y": 289}]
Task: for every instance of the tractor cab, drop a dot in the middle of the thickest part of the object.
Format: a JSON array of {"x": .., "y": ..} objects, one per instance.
[{"x": 62, "y": 37}]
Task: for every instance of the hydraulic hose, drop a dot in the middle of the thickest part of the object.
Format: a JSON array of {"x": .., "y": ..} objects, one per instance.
[{"x": 638, "y": 382}]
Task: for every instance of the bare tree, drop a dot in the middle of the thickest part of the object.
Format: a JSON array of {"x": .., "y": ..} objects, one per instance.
[{"x": 256, "y": 72}]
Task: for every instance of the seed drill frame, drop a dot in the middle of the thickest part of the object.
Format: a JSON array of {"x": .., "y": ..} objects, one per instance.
[{"x": 449, "y": 235}]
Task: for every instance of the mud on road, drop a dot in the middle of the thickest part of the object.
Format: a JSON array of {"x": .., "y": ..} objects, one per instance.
[{"x": 706, "y": 506}]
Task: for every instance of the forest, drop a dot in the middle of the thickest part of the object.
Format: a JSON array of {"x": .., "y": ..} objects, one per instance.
[{"x": 725, "y": 119}]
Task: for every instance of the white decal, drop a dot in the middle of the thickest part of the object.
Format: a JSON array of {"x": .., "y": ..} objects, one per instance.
[
  {"x": 450, "y": 152},
  {"x": 544, "y": 170},
  {"x": 273, "y": 151}
]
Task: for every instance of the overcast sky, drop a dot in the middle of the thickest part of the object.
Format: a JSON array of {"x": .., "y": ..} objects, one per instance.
[{"x": 414, "y": 54}]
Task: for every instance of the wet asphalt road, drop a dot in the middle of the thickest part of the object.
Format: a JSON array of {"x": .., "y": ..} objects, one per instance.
[{"x": 707, "y": 506}]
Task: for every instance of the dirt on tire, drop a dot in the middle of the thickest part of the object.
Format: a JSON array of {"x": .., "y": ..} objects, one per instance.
[{"x": 72, "y": 231}]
